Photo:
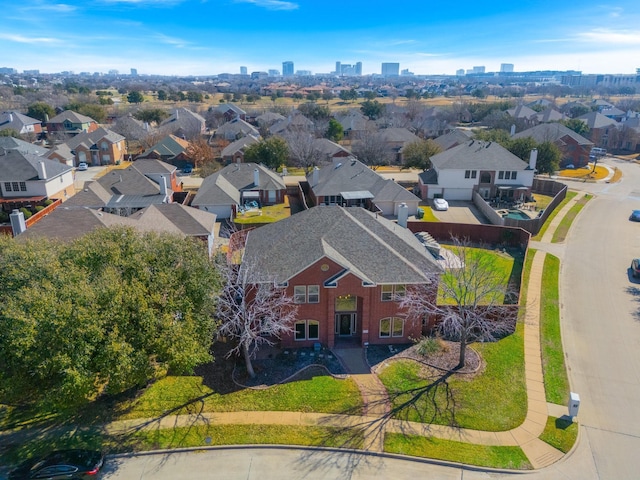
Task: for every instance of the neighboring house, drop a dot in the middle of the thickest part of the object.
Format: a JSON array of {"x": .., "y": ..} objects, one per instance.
[
  {"x": 11, "y": 143},
  {"x": 477, "y": 166},
  {"x": 600, "y": 128},
  {"x": 234, "y": 152},
  {"x": 184, "y": 123},
  {"x": 70, "y": 123},
  {"x": 524, "y": 113},
  {"x": 329, "y": 150},
  {"x": 170, "y": 149},
  {"x": 345, "y": 269},
  {"x": 268, "y": 118},
  {"x": 296, "y": 122},
  {"x": 27, "y": 179},
  {"x": 549, "y": 115},
  {"x": 133, "y": 129},
  {"x": 98, "y": 147},
  {"x": 349, "y": 182},
  {"x": 396, "y": 139},
  {"x": 125, "y": 191},
  {"x": 236, "y": 129},
  {"x": 20, "y": 123},
  {"x": 453, "y": 138},
  {"x": 67, "y": 223},
  {"x": 574, "y": 148},
  {"x": 230, "y": 111},
  {"x": 235, "y": 185},
  {"x": 353, "y": 122},
  {"x": 614, "y": 113}
]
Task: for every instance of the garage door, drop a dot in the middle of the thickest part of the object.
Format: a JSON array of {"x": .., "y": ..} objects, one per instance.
[{"x": 457, "y": 194}]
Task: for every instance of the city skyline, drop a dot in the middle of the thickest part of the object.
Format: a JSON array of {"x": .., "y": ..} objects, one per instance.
[{"x": 189, "y": 37}]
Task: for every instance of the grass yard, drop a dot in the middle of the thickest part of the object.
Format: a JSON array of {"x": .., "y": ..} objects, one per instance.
[
  {"x": 542, "y": 231},
  {"x": 565, "y": 224},
  {"x": 481, "y": 455},
  {"x": 427, "y": 214},
  {"x": 183, "y": 395},
  {"x": 266, "y": 214},
  {"x": 495, "y": 400},
  {"x": 586, "y": 173},
  {"x": 560, "y": 433},
  {"x": 556, "y": 382}
]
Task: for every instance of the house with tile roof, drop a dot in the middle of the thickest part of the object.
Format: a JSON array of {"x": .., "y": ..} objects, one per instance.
[
  {"x": 237, "y": 184},
  {"x": 27, "y": 179},
  {"x": 22, "y": 124},
  {"x": 345, "y": 269},
  {"x": 477, "y": 166},
  {"x": 349, "y": 182},
  {"x": 67, "y": 222},
  {"x": 125, "y": 191},
  {"x": 97, "y": 147},
  {"x": 70, "y": 123},
  {"x": 574, "y": 147}
]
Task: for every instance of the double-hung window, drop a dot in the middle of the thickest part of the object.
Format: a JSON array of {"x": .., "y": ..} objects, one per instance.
[
  {"x": 392, "y": 292},
  {"x": 306, "y": 294},
  {"x": 307, "y": 330}
]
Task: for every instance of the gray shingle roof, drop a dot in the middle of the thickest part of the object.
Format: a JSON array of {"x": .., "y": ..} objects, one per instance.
[
  {"x": 239, "y": 144},
  {"x": 597, "y": 120},
  {"x": 551, "y": 132},
  {"x": 373, "y": 248},
  {"x": 478, "y": 155},
  {"x": 16, "y": 121},
  {"x": 72, "y": 116},
  {"x": 224, "y": 186},
  {"x": 453, "y": 138},
  {"x": 21, "y": 167},
  {"x": 169, "y": 147},
  {"x": 351, "y": 176},
  {"x": 89, "y": 139},
  {"x": 10, "y": 143}
]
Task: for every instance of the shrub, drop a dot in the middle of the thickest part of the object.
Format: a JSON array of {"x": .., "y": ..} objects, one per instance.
[
  {"x": 27, "y": 213},
  {"x": 4, "y": 217},
  {"x": 39, "y": 208},
  {"x": 48, "y": 202},
  {"x": 429, "y": 345}
]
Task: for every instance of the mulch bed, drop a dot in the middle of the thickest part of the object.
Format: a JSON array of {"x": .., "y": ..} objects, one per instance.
[{"x": 446, "y": 359}]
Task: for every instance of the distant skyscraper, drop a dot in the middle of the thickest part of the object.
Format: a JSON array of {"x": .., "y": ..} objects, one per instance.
[
  {"x": 479, "y": 69},
  {"x": 359, "y": 68},
  {"x": 287, "y": 69},
  {"x": 243, "y": 70},
  {"x": 134, "y": 72},
  {"x": 506, "y": 67},
  {"x": 390, "y": 69},
  {"x": 113, "y": 72},
  {"x": 460, "y": 72},
  {"x": 274, "y": 73},
  {"x": 338, "y": 68}
]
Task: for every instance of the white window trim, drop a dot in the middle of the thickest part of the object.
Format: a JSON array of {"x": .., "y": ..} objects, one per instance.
[
  {"x": 392, "y": 321},
  {"x": 306, "y": 324},
  {"x": 394, "y": 291}
]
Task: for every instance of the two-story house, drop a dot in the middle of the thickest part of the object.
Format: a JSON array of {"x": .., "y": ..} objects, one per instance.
[
  {"x": 98, "y": 147},
  {"x": 574, "y": 147},
  {"x": 346, "y": 269},
  {"x": 477, "y": 166},
  {"x": 70, "y": 123},
  {"x": 20, "y": 123},
  {"x": 27, "y": 179}
]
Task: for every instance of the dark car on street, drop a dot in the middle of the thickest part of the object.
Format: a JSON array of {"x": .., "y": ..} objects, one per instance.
[
  {"x": 635, "y": 268},
  {"x": 68, "y": 464},
  {"x": 635, "y": 216}
]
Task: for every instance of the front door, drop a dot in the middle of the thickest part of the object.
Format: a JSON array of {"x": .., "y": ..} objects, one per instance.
[{"x": 345, "y": 324}]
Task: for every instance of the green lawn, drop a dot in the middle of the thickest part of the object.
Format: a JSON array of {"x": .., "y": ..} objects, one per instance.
[
  {"x": 182, "y": 394},
  {"x": 556, "y": 382},
  {"x": 427, "y": 214},
  {"x": 496, "y": 400},
  {"x": 560, "y": 433},
  {"x": 481, "y": 455},
  {"x": 266, "y": 214},
  {"x": 542, "y": 231},
  {"x": 565, "y": 224}
]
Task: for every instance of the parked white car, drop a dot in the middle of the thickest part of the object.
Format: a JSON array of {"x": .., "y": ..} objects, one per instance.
[
  {"x": 82, "y": 166},
  {"x": 440, "y": 204}
]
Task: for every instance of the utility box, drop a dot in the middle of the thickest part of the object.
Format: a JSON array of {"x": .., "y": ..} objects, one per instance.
[{"x": 574, "y": 404}]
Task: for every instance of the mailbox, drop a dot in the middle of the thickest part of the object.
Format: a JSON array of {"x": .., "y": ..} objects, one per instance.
[{"x": 574, "y": 404}]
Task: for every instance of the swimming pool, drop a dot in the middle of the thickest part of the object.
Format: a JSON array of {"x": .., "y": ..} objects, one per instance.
[{"x": 517, "y": 215}]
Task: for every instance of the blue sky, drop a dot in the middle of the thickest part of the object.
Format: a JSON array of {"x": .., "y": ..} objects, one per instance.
[{"x": 200, "y": 37}]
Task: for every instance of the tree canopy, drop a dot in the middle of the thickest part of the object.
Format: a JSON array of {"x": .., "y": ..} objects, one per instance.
[
  {"x": 135, "y": 97},
  {"x": 271, "y": 152},
  {"x": 578, "y": 126},
  {"x": 151, "y": 115},
  {"x": 103, "y": 314},
  {"x": 41, "y": 111},
  {"x": 335, "y": 131},
  {"x": 418, "y": 154},
  {"x": 372, "y": 109}
]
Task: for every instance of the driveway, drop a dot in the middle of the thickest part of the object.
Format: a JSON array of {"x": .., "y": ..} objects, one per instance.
[
  {"x": 461, "y": 212},
  {"x": 80, "y": 177}
]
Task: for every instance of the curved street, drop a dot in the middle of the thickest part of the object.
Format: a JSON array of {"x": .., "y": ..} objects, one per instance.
[{"x": 600, "y": 309}]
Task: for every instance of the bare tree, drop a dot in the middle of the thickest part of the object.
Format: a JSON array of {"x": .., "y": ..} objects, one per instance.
[
  {"x": 303, "y": 150},
  {"x": 370, "y": 148},
  {"x": 473, "y": 303},
  {"x": 252, "y": 309},
  {"x": 200, "y": 152}
]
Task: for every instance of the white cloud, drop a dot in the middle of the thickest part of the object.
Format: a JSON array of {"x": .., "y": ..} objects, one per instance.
[
  {"x": 176, "y": 42},
  {"x": 28, "y": 40},
  {"x": 272, "y": 4},
  {"x": 610, "y": 37}
]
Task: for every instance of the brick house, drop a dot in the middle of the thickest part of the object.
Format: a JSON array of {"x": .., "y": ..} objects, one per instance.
[
  {"x": 98, "y": 147},
  {"x": 574, "y": 147},
  {"x": 70, "y": 123},
  {"x": 344, "y": 267}
]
